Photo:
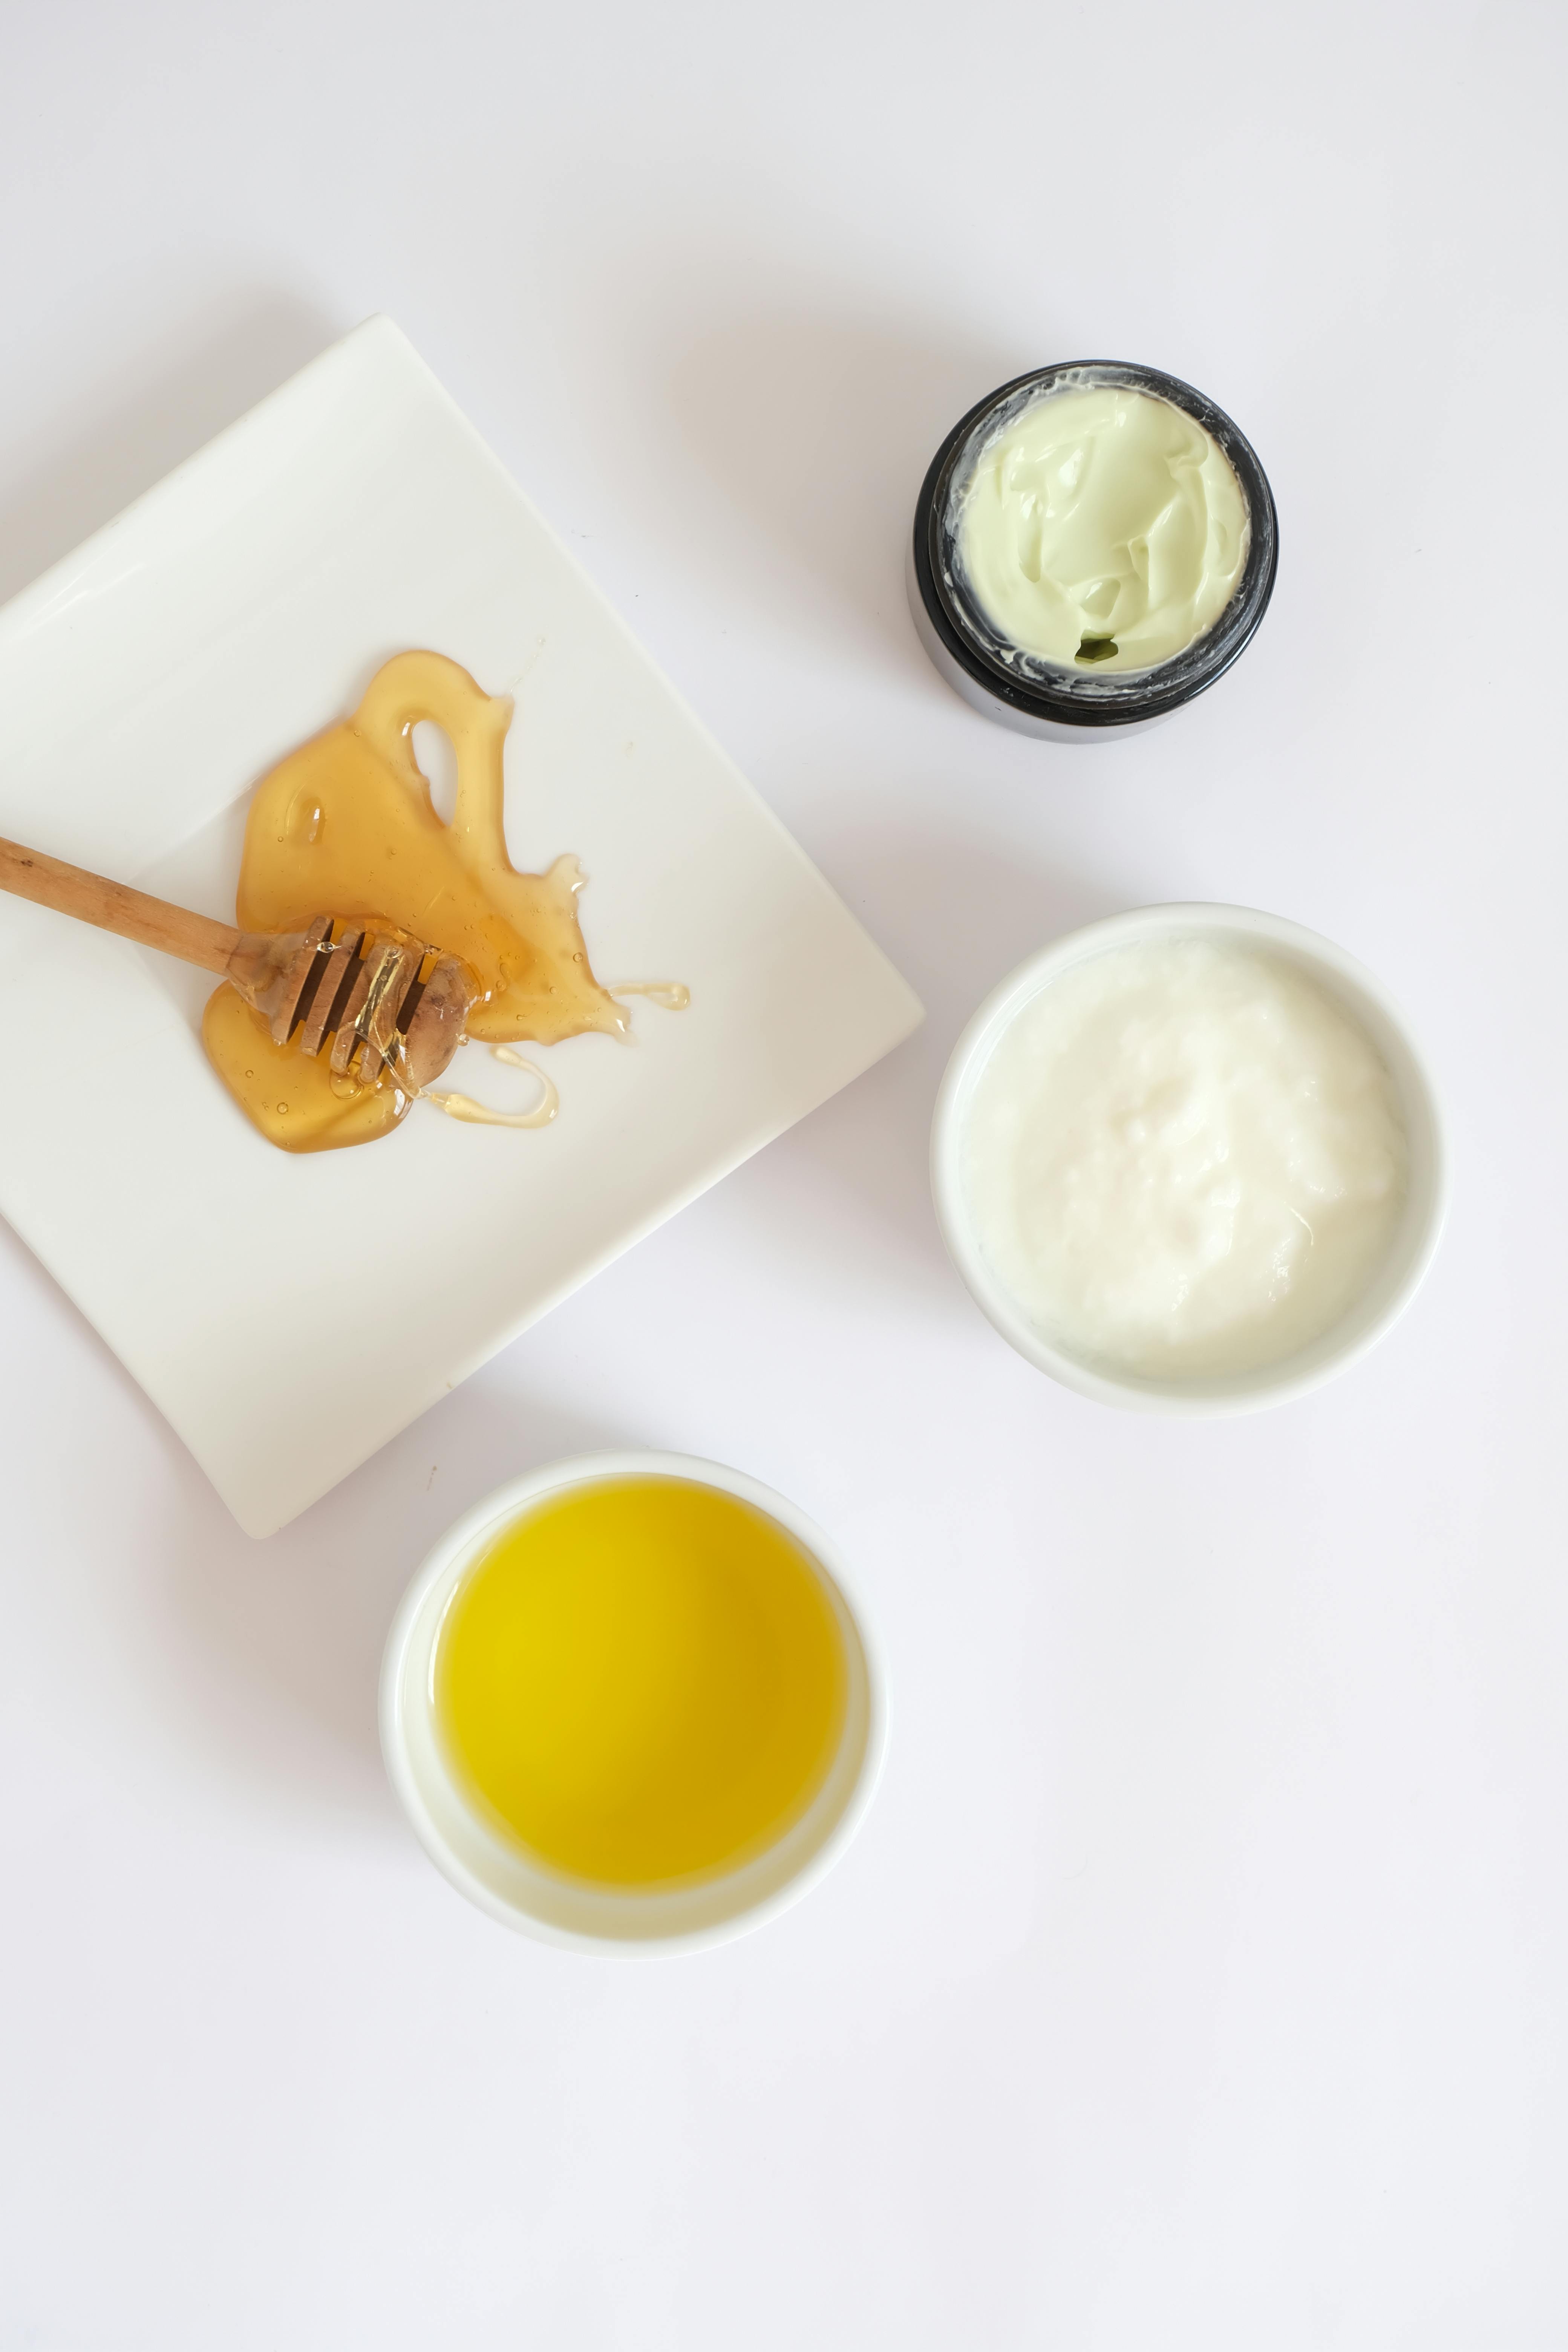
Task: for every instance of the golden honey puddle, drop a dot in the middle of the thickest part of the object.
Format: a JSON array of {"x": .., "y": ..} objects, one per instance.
[{"x": 345, "y": 826}]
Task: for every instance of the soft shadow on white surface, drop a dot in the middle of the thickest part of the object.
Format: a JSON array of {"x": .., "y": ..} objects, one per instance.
[
  {"x": 288, "y": 1632},
  {"x": 210, "y": 370},
  {"x": 257, "y": 1663},
  {"x": 813, "y": 427},
  {"x": 847, "y": 1191},
  {"x": 957, "y": 914}
]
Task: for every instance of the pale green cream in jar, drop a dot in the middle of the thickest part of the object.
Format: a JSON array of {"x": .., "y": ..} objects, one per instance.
[{"x": 1104, "y": 530}]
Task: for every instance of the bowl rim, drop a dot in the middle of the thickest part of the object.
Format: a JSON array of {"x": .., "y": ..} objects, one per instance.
[
  {"x": 448, "y": 1561},
  {"x": 1355, "y": 988},
  {"x": 1036, "y": 690}
]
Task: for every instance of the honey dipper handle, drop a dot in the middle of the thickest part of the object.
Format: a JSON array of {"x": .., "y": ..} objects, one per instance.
[{"x": 71, "y": 891}]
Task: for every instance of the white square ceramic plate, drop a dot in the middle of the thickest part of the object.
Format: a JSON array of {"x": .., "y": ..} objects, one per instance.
[{"x": 290, "y": 1315}]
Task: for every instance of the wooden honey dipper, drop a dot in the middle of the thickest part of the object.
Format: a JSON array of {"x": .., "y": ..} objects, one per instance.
[{"x": 387, "y": 1004}]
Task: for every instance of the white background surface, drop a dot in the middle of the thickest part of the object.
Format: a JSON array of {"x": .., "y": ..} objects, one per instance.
[{"x": 1197, "y": 1983}]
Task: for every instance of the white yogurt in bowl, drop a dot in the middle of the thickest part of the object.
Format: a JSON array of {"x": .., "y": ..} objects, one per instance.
[{"x": 1189, "y": 1159}]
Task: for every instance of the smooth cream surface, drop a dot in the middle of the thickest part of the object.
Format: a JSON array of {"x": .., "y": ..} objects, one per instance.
[
  {"x": 1104, "y": 515},
  {"x": 1182, "y": 1158}
]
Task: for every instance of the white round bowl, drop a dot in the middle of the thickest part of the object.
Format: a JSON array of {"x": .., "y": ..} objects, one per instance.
[
  {"x": 523, "y": 1894},
  {"x": 1414, "y": 1240}
]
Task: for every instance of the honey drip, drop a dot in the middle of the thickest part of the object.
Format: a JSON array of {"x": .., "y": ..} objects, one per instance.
[
  {"x": 345, "y": 826},
  {"x": 478, "y": 1114},
  {"x": 673, "y": 994}
]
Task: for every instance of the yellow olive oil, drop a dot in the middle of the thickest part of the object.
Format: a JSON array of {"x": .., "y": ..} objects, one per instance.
[{"x": 642, "y": 1681}]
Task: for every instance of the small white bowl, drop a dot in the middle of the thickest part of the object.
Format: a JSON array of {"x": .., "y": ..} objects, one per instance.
[
  {"x": 1414, "y": 1240},
  {"x": 558, "y": 1909}
]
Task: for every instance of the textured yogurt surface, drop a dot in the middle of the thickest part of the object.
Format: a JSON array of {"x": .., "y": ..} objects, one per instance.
[{"x": 1184, "y": 1158}]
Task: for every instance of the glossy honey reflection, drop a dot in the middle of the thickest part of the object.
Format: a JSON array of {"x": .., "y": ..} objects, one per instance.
[
  {"x": 642, "y": 1681},
  {"x": 345, "y": 827}
]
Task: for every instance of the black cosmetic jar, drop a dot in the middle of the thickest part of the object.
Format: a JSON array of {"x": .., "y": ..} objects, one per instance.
[{"x": 1022, "y": 689}]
